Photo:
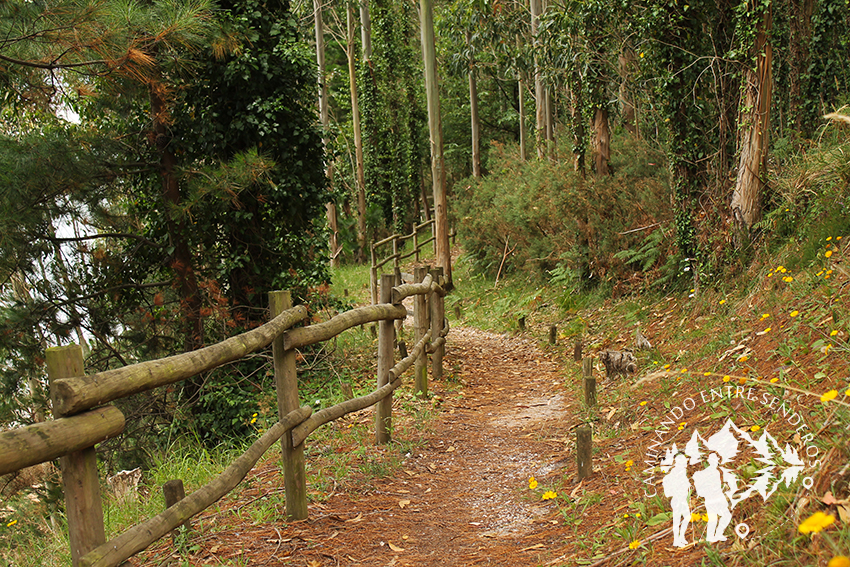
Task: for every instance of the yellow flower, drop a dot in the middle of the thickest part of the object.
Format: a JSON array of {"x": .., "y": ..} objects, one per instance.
[
  {"x": 643, "y": 403},
  {"x": 770, "y": 275},
  {"x": 727, "y": 378},
  {"x": 783, "y": 270},
  {"x": 532, "y": 483},
  {"x": 795, "y": 313},
  {"x": 683, "y": 370},
  {"x": 253, "y": 420},
  {"x": 706, "y": 373},
  {"x": 767, "y": 329},
  {"x": 742, "y": 380},
  {"x": 743, "y": 358},
  {"x": 12, "y": 523},
  {"x": 666, "y": 366},
  {"x": 833, "y": 333},
  {"x": 695, "y": 516},
  {"x": 629, "y": 463},
  {"x": 788, "y": 279},
  {"x": 839, "y": 561},
  {"x": 626, "y": 515},
  {"x": 774, "y": 380},
  {"x": 828, "y": 272},
  {"x": 705, "y": 517},
  {"x": 641, "y": 54},
  {"x": 828, "y": 253},
  {"x": 755, "y": 428},
  {"x": 831, "y": 395},
  {"x": 847, "y": 393},
  {"x": 828, "y": 238},
  {"x": 637, "y": 515},
  {"x": 816, "y": 522},
  {"x": 635, "y": 544},
  {"x": 549, "y": 495},
  {"x": 819, "y": 273},
  {"x": 722, "y": 301}
]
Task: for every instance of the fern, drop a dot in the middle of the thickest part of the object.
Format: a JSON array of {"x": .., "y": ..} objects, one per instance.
[{"x": 647, "y": 254}]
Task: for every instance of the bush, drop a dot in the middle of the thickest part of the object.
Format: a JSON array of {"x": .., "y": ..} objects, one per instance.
[{"x": 556, "y": 223}]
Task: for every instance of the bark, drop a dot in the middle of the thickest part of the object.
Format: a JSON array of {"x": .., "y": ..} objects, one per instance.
[
  {"x": 755, "y": 125},
  {"x": 365, "y": 30},
  {"x": 577, "y": 119},
  {"x": 181, "y": 260},
  {"x": 358, "y": 143},
  {"x": 523, "y": 152},
  {"x": 325, "y": 117},
  {"x": 438, "y": 174}
]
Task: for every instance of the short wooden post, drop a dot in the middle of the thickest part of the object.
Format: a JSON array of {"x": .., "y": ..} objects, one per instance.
[
  {"x": 521, "y": 323},
  {"x": 553, "y": 334},
  {"x": 458, "y": 311},
  {"x": 79, "y": 469},
  {"x": 420, "y": 324},
  {"x": 589, "y": 382},
  {"x": 386, "y": 335},
  {"x": 438, "y": 313},
  {"x": 584, "y": 448},
  {"x": 173, "y": 492},
  {"x": 577, "y": 351},
  {"x": 373, "y": 277},
  {"x": 402, "y": 349},
  {"x": 286, "y": 384}
]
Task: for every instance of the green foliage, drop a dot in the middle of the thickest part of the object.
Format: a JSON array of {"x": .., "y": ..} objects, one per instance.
[{"x": 554, "y": 219}]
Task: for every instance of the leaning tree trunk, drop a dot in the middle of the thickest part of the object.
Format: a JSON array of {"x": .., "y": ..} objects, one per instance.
[
  {"x": 753, "y": 142},
  {"x": 358, "y": 142},
  {"x": 438, "y": 173}
]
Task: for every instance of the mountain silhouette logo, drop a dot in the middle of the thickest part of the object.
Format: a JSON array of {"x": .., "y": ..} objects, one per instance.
[{"x": 716, "y": 462}]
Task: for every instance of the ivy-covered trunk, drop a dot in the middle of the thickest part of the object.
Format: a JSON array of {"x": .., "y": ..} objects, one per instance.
[{"x": 754, "y": 130}]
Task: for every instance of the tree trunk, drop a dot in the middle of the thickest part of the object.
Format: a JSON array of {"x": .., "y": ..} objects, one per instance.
[
  {"x": 181, "y": 260},
  {"x": 626, "y": 60},
  {"x": 539, "y": 90},
  {"x": 577, "y": 119},
  {"x": 550, "y": 125},
  {"x": 365, "y": 30},
  {"x": 358, "y": 142},
  {"x": 473, "y": 106},
  {"x": 325, "y": 117},
  {"x": 755, "y": 125},
  {"x": 438, "y": 173},
  {"x": 523, "y": 152},
  {"x": 799, "y": 38},
  {"x": 601, "y": 142}
]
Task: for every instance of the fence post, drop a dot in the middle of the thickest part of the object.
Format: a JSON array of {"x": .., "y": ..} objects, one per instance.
[
  {"x": 588, "y": 382},
  {"x": 373, "y": 277},
  {"x": 173, "y": 492},
  {"x": 584, "y": 448},
  {"x": 416, "y": 243},
  {"x": 79, "y": 469},
  {"x": 420, "y": 326},
  {"x": 438, "y": 313},
  {"x": 286, "y": 384},
  {"x": 386, "y": 335}
]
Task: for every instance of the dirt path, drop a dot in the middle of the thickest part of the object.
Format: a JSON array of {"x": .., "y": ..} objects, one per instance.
[{"x": 462, "y": 498}]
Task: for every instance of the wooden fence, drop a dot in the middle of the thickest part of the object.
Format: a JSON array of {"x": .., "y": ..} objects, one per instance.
[
  {"x": 82, "y": 420},
  {"x": 398, "y": 241}
]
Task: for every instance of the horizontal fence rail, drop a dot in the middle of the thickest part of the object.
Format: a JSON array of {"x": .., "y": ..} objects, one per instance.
[
  {"x": 396, "y": 257},
  {"x": 80, "y": 424}
]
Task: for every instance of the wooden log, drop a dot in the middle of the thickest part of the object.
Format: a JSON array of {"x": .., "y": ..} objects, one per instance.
[
  {"x": 589, "y": 382},
  {"x": 420, "y": 327},
  {"x": 173, "y": 492},
  {"x": 297, "y": 338},
  {"x": 553, "y": 334},
  {"x": 405, "y": 363},
  {"x": 438, "y": 343},
  {"x": 406, "y": 290},
  {"x": 142, "y": 535},
  {"x": 326, "y": 415},
  {"x": 286, "y": 384},
  {"x": 416, "y": 243},
  {"x": 74, "y": 395},
  {"x": 584, "y": 449},
  {"x": 80, "y": 479},
  {"x": 386, "y": 336},
  {"x": 438, "y": 314},
  {"x": 373, "y": 277},
  {"x": 41, "y": 442}
]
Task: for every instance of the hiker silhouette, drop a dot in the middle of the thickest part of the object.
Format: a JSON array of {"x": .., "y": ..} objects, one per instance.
[
  {"x": 709, "y": 486},
  {"x": 677, "y": 487}
]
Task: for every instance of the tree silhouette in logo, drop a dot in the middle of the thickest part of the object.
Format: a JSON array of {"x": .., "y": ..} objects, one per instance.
[{"x": 717, "y": 483}]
